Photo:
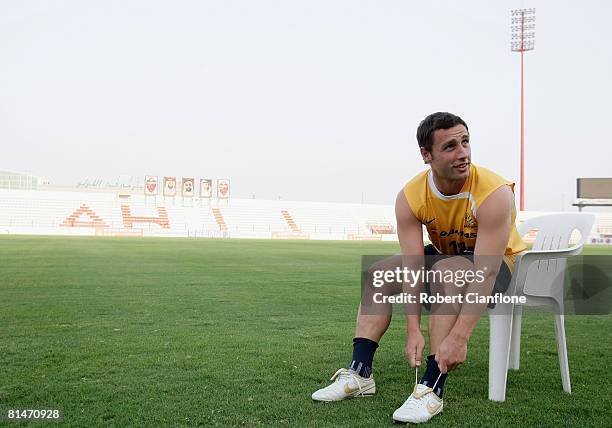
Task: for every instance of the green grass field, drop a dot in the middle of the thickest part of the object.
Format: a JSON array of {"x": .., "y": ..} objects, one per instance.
[{"x": 167, "y": 332}]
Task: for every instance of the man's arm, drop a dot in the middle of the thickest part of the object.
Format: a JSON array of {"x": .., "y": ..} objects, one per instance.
[
  {"x": 494, "y": 226},
  {"x": 409, "y": 229},
  {"x": 410, "y": 234}
]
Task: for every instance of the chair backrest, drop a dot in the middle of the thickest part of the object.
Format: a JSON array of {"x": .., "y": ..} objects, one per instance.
[
  {"x": 554, "y": 231},
  {"x": 545, "y": 278}
]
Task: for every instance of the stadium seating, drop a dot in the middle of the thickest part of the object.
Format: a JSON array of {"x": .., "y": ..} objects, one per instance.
[
  {"x": 83, "y": 212},
  {"x": 76, "y": 218},
  {"x": 604, "y": 225},
  {"x": 91, "y": 211},
  {"x": 290, "y": 222}
]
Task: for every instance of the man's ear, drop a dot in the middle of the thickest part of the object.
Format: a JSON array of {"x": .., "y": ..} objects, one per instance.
[{"x": 426, "y": 155}]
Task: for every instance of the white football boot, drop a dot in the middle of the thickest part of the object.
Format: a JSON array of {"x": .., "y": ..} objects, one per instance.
[
  {"x": 348, "y": 384},
  {"x": 422, "y": 405}
]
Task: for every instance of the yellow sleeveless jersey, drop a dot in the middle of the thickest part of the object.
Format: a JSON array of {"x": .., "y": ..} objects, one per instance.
[{"x": 452, "y": 221}]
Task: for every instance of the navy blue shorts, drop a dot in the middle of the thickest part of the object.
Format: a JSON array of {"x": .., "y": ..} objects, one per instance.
[{"x": 502, "y": 282}]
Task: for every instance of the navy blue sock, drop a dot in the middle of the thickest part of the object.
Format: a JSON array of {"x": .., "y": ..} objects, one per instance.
[
  {"x": 363, "y": 355},
  {"x": 431, "y": 375}
]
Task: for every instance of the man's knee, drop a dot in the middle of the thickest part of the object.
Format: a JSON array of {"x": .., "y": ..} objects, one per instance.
[
  {"x": 377, "y": 287},
  {"x": 379, "y": 280},
  {"x": 446, "y": 291},
  {"x": 447, "y": 276}
]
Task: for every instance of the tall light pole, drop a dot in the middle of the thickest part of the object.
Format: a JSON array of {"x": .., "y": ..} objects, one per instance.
[{"x": 522, "y": 40}]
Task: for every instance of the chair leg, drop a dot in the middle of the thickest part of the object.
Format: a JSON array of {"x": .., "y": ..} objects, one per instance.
[
  {"x": 562, "y": 350},
  {"x": 500, "y": 326},
  {"x": 515, "y": 340}
]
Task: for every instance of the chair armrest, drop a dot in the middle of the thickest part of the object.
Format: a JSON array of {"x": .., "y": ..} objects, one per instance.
[
  {"x": 525, "y": 260},
  {"x": 553, "y": 254}
]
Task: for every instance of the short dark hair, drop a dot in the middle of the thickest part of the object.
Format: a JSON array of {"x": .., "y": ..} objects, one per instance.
[{"x": 433, "y": 122}]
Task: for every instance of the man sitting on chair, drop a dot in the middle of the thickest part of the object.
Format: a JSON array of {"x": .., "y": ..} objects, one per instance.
[{"x": 469, "y": 214}]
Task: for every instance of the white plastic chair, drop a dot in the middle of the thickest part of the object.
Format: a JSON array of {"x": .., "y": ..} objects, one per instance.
[{"x": 539, "y": 275}]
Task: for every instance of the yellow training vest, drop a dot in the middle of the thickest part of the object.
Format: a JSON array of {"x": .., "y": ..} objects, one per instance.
[{"x": 451, "y": 221}]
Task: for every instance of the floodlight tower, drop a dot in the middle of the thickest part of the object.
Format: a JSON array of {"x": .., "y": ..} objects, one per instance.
[{"x": 522, "y": 40}]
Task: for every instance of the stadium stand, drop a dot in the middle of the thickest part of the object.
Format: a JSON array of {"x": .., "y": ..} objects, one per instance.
[
  {"x": 75, "y": 219},
  {"x": 219, "y": 218},
  {"x": 85, "y": 212},
  {"x": 129, "y": 220},
  {"x": 604, "y": 226},
  {"x": 380, "y": 228},
  {"x": 89, "y": 213},
  {"x": 290, "y": 222}
]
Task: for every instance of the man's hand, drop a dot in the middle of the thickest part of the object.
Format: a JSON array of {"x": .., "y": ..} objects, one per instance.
[
  {"x": 451, "y": 353},
  {"x": 414, "y": 348}
]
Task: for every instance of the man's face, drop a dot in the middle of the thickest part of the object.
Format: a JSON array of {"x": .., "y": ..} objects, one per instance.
[
  {"x": 450, "y": 155},
  {"x": 151, "y": 185},
  {"x": 223, "y": 187}
]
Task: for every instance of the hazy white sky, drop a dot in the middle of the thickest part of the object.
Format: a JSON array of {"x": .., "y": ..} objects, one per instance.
[{"x": 313, "y": 100}]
